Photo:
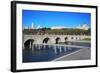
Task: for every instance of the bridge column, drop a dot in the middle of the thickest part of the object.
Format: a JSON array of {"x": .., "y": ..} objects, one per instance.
[
  {"x": 55, "y": 49},
  {"x": 60, "y": 49},
  {"x": 69, "y": 45},
  {"x": 65, "y": 49},
  {"x": 53, "y": 41},
  {"x": 39, "y": 46},
  {"x": 62, "y": 39},
  {"x": 23, "y": 46},
  {"x": 30, "y": 45}
]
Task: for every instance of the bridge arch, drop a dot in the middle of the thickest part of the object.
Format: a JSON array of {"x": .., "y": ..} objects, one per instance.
[
  {"x": 66, "y": 39},
  {"x": 28, "y": 43},
  {"x": 46, "y": 40},
  {"x": 72, "y": 38},
  {"x": 76, "y": 38},
  {"x": 58, "y": 40}
]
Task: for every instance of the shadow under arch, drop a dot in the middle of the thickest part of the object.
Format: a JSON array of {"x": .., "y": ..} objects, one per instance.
[
  {"x": 28, "y": 43},
  {"x": 72, "y": 38},
  {"x": 58, "y": 40},
  {"x": 46, "y": 40},
  {"x": 66, "y": 39}
]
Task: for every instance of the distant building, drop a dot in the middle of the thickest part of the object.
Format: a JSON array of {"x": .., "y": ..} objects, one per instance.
[
  {"x": 84, "y": 27},
  {"x": 32, "y": 26},
  {"x": 39, "y": 26}
]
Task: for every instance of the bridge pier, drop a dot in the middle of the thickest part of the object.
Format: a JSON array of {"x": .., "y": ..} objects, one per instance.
[
  {"x": 30, "y": 44},
  {"x": 32, "y": 47},
  {"x": 65, "y": 48},
  {"x": 55, "y": 49},
  {"x": 60, "y": 49},
  {"x": 38, "y": 46}
]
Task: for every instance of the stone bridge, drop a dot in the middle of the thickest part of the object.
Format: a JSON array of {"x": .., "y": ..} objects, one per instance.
[{"x": 50, "y": 39}]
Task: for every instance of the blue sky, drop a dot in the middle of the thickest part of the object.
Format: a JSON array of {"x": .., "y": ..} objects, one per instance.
[{"x": 52, "y": 18}]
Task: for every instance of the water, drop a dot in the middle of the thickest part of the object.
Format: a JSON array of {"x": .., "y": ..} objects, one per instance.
[{"x": 48, "y": 53}]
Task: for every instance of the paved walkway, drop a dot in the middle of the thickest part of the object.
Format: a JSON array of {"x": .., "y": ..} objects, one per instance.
[{"x": 82, "y": 54}]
